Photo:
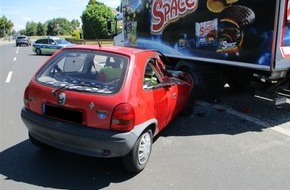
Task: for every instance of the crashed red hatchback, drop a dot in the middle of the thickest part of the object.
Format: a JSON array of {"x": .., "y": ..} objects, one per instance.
[{"x": 104, "y": 102}]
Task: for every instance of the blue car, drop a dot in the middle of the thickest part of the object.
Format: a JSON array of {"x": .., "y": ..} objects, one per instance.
[{"x": 49, "y": 45}]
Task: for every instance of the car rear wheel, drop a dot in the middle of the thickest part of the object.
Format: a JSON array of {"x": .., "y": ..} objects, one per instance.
[
  {"x": 38, "y": 51},
  {"x": 136, "y": 160}
]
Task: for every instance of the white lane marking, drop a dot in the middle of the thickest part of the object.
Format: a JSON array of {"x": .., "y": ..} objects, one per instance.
[
  {"x": 14, "y": 58},
  {"x": 278, "y": 128},
  {"x": 8, "y": 77},
  {"x": 281, "y": 128},
  {"x": 17, "y": 49}
]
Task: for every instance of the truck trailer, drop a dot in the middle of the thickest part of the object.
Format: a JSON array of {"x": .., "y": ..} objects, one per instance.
[{"x": 242, "y": 43}]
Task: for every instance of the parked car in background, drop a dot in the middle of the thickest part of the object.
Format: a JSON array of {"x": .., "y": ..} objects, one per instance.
[
  {"x": 20, "y": 40},
  {"x": 105, "y": 102},
  {"x": 49, "y": 45},
  {"x": 14, "y": 36}
]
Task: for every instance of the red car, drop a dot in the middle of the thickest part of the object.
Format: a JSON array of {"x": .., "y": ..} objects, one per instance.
[{"x": 104, "y": 102}]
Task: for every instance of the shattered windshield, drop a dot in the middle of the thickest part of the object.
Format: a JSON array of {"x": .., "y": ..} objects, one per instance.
[{"x": 87, "y": 71}]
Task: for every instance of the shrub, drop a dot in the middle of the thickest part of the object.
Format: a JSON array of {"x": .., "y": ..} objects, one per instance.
[{"x": 76, "y": 34}]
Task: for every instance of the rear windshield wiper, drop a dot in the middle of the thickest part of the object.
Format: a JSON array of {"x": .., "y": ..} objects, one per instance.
[
  {"x": 58, "y": 89},
  {"x": 74, "y": 86}
]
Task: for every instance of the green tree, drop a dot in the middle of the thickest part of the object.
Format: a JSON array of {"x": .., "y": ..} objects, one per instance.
[
  {"x": 41, "y": 29},
  {"x": 94, "y": 19},
  {"x": 75, "y": 24},
  {"x": 92, "y": 2},
  {"x": 5, "y": 26},
  {"x": 59, "y": 26},
  {"x": 31, "y": 28},
  {"x": 22, "y": 32},
  {"x": 13, "y": 31}
]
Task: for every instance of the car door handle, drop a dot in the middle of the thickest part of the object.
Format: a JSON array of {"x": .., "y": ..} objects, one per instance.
[{"x": 174, "y": 95}]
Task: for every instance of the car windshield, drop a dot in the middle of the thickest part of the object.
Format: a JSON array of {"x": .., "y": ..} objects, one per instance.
[
  {"x": 87, "y": 71},
  {"x": 61, "y": 41}
]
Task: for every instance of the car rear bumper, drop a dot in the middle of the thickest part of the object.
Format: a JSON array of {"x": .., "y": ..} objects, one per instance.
[{"x": 78, "y": 138}]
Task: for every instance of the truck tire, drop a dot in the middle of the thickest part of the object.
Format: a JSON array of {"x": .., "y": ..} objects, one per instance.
[
  {"x": 136, "y": 160},
  {"x": 239, "y": 85},
  {"x": 196, "y": 92}
]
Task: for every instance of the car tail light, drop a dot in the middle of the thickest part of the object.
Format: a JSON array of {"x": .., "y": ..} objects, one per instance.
[
  {"x": 123, "y": 118},
  {"x": 26, "y": 98}
]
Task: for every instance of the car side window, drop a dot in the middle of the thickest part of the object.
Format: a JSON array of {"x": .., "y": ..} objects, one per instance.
[
  {"x": 45, "y": 41},
  {"x": 151, "y": 78}
]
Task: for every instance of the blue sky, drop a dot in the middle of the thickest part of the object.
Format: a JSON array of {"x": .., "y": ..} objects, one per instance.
[{"x": 22, "y": 11}]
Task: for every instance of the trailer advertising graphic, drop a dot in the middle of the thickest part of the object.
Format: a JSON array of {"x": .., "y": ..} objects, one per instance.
[{"x": 234, "y": 30}]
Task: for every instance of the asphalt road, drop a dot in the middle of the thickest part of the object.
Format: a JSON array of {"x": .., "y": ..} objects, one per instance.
[{"x": 241, "y": 142}]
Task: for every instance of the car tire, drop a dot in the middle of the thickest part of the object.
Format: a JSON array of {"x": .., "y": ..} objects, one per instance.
[
  {"x": 136, "y": 160},
  {"x": 38, "y": 51}
]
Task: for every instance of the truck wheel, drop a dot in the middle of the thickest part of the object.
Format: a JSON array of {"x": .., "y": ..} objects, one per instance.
[
  {"x": 197, "y": 91},
  {"x": 136, "y": 160},
  {"x": 38, "y": 51}
]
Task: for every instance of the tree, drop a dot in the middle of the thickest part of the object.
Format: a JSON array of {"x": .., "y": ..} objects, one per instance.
[
  {"x": 13, "y": 32},
  {"x": 75, "y": 24},
  {"x": 41, "y": 29},
  {"x": 92, "y": 2},
  {"x": 94, "y": 19},
  {"x": 31, "y": 28},
  {"x": 59, "y": 26},
  {"x": 22, "y": 32},
  {"x": 5, "y": 26}
]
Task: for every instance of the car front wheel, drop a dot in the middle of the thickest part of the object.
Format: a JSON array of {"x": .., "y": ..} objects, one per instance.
[
  {"x": 38, "y": 51},
  {"x": 136, "y": 160}
]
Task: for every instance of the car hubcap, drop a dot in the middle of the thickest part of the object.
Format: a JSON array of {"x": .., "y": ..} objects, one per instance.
[{"x": 144, "y": 148}]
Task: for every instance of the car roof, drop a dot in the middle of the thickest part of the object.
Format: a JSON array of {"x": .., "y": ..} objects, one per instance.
[
  {"x": 113, "y": 49},
  {"x": 54, "y": 38}
]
